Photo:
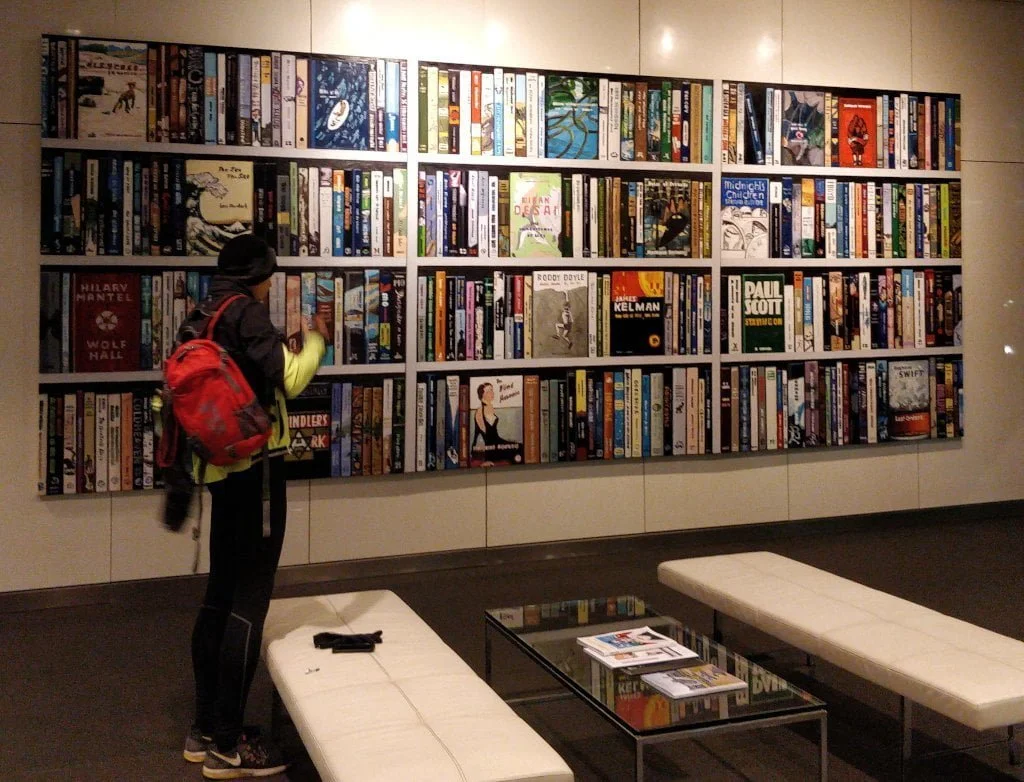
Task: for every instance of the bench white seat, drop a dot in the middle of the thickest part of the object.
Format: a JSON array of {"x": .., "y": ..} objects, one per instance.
[
  {"x": 411, "y": 710},
  {"x": 971, "y": 675}
]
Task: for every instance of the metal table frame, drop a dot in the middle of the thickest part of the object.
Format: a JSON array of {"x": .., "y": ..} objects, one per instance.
[{"x": 812, "y": 714}]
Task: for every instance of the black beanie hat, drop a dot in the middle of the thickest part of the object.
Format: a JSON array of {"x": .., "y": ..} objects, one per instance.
[{"x": 248, "y": 259}]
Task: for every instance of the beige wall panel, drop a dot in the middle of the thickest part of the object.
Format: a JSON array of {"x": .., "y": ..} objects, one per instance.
[
  {"x": 252, "y": 24},
  {"x": 583, "y": 35},
  {"x": 423, "y": 29},
  {"x": 852, "y": 482},
  {"x": 23, "y": 24},
  {"x": 383, "y": 517},
  {"x": 986, "y": 466},
  {"x": 681, "y": 494},
  {"x": 730, "y": 39},
  {"x": 296, "y": 532},
  {"x": 865, "y": 44},
  {"x": 558, "y": 503},
  {"x": 141, "y": 547},
  {"x": 975, "y": 48}
]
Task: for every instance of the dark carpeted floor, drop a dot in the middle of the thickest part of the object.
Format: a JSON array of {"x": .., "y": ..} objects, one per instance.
[{"x": 103, "y": 691}]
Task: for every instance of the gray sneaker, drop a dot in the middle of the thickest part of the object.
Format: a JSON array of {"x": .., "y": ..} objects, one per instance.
[
  {"x": 195, "y": 745},
  {"x": 253, "y": 756}
]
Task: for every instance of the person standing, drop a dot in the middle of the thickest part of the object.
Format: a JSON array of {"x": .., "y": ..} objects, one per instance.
[{"x": 244, "y": 551}]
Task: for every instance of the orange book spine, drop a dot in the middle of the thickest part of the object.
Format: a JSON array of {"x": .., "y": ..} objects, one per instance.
[{"x": 531, "y": 422}]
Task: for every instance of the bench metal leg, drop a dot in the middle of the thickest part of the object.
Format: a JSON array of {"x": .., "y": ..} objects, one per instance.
[
  {"x": 487, "y": 654},
  {"x": 716, "y": 628},
  {"x": 823, "y": 747},
  {"x": 906, "y": 735},
  {"x": 1014, "y": 741},
  {"x": 640, "y": 761}
]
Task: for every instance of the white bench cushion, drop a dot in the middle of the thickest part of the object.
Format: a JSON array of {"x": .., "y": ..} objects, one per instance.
[
  {"x": 969, "y": 674},
  {"x": 412, "y": 710}
]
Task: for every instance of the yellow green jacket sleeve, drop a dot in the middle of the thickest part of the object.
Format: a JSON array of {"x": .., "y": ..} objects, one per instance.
[{"x": 299, "y": 368}]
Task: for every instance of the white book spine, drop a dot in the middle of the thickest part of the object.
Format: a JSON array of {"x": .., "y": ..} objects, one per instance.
[
  {"x": 614, "y": 119},
  {"x": 466, "y": 128},
  {"x": 777, "y": 125},
  {"x": 509, "y": 119},
  {"x": 831, "y": 238},
  {"x": 500, "y": 312},
  {"x": 473, "y": 226},
  {"x": 531, "y": 114},
  {"x": 603, "y": 141},
  {"x": 541, "y": 115},
  {"x": 222, "y": 84},
  {"x": 487, "y": 110},
  {"x": 593, "y": 217},
  {"x": 639, "y": 211},
  {"x": 483, "y": 214},
  {"x": 904, "y": 131},
  {"x": 926, "y": 206},
  {"x": 287, "y": 100},
  {"x": 377, "y": 205},
  {"x": 769, "y": 140},
  {"x": 327, "y": 212},
  {"x": 313, "y": 209},
  {"x": 421, "y": 427},
  {"x": 256, "y": 98},
  {"x": 678, "y": 411},
  {"x": 592, "y": 314},
  {"x": 492, "y": 213},
  {"x": 787, "y": 317},
  {"x": 693, "y": 402},
  {"x": 755, "y": 410},
  {"x": 636, "y": 413},
  {"x": 880, "y": 122},
  {"x": 431, "y": 121},
  {"x": 699, "y": 306},
  {"x": 577, "y": 215},
  {"x": 784, "y": 383},
  {"x": 102, "y": 465},
  {"x": 439, "y": 224},
  {"x": 114, "y": 414}
]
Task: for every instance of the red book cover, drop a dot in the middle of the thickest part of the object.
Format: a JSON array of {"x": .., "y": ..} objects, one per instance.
[
  {"x": 106, "y": 321},
  {"x": 857, "y": 142}
]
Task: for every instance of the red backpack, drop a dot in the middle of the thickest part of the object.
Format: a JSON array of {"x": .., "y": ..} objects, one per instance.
[{"x": 211, "y": 402}]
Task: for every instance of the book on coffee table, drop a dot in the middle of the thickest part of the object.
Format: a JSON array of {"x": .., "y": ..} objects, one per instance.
[
  {"x": 663, "y": 654},
  {"x": 695, "y": 680},
  {"x": 631, "y": 640}
]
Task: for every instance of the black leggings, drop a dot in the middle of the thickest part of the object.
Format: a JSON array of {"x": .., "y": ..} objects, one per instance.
[{"x": 229, "y": 629}]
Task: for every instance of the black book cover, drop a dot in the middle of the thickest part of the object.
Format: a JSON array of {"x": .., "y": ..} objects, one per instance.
[{"x": 309, "y": 426}]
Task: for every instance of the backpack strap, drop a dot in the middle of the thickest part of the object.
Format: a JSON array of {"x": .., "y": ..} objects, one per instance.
[{"x": 212, "y": 323}]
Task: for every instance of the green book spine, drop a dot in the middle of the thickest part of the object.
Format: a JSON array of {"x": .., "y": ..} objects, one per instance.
[
  {"x": 666, "y": 122},
  {"x": 422, "y": 90}
]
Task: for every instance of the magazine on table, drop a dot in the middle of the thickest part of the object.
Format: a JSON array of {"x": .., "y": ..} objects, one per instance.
[
  {"x": 631, "y": 640},
  {"x": 703, "y": 679},
  {"x": 663, "y": 654}
]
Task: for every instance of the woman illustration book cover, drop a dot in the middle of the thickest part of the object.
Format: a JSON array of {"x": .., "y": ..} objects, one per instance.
[{"x": 496, "y": 421}]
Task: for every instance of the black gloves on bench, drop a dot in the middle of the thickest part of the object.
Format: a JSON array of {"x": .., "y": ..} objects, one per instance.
[{"x": 348, "y": 642}]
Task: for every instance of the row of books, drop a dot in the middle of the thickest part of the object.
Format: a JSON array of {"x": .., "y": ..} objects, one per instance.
[
  {"x": 500, "y": 112},
  {"x": 104, "y": 321},
  {"x": 817, "y": 403},
  {"x": 774, "y": 125},
  {"x": 797, "y": 312},
  {"x": 112, "y": 204},
  {"x": 824, "y": 218},
  {"x": 167, "y": 92},
  {"x": 562, "y": 314},
  {"x": 547, "y": 214},
  {"x": 574, "y": 415}
]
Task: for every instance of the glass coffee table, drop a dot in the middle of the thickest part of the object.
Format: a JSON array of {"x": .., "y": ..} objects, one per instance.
[{"x": 547, "y": 633}]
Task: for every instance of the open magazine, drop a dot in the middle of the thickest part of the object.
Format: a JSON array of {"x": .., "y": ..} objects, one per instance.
[
  {"x": 697, "y": 680},
  {"x": 630, "y": 640},
  {"x": 663, "y": 654}
]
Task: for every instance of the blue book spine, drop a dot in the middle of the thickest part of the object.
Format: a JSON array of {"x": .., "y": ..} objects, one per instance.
[
  {"x": 451, "y": 423},
  {"x": 907, "y": 286},
  {"x": 707, "y": 320},
  {"x": 912, "y": 132},
  {"x": 882, "y": 399},
  {"x": 446, "y": 211},
  {"x": 787, "y": 214},
  {"x": 755, "y": 133},
  {"x": 597, "y": 411},
  {"x": 499, "y": 113},
  {"x": 780, "y": 395},
  {"x": 346, "y": 430},
  {"x": 210, "y": 98},
  {"x": 645, "y": 416},
  {"x": 391, "y": 104},
  {"x": 192, "y": 287},
  {"x": 619, "y": 415},
  {"x": 58, "y": 201},
  {"x": 338, "y": 218},
  {"x": 357, "y": 223},
  {"x": 336, "y": 430},
  {"x": 707, "y": 106},
  {"x": 950, "y": 136},
  {"x": 808, "y": 307},
  {"x": 744, "y": 407},
  {"x": 653, "y": 124}
]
